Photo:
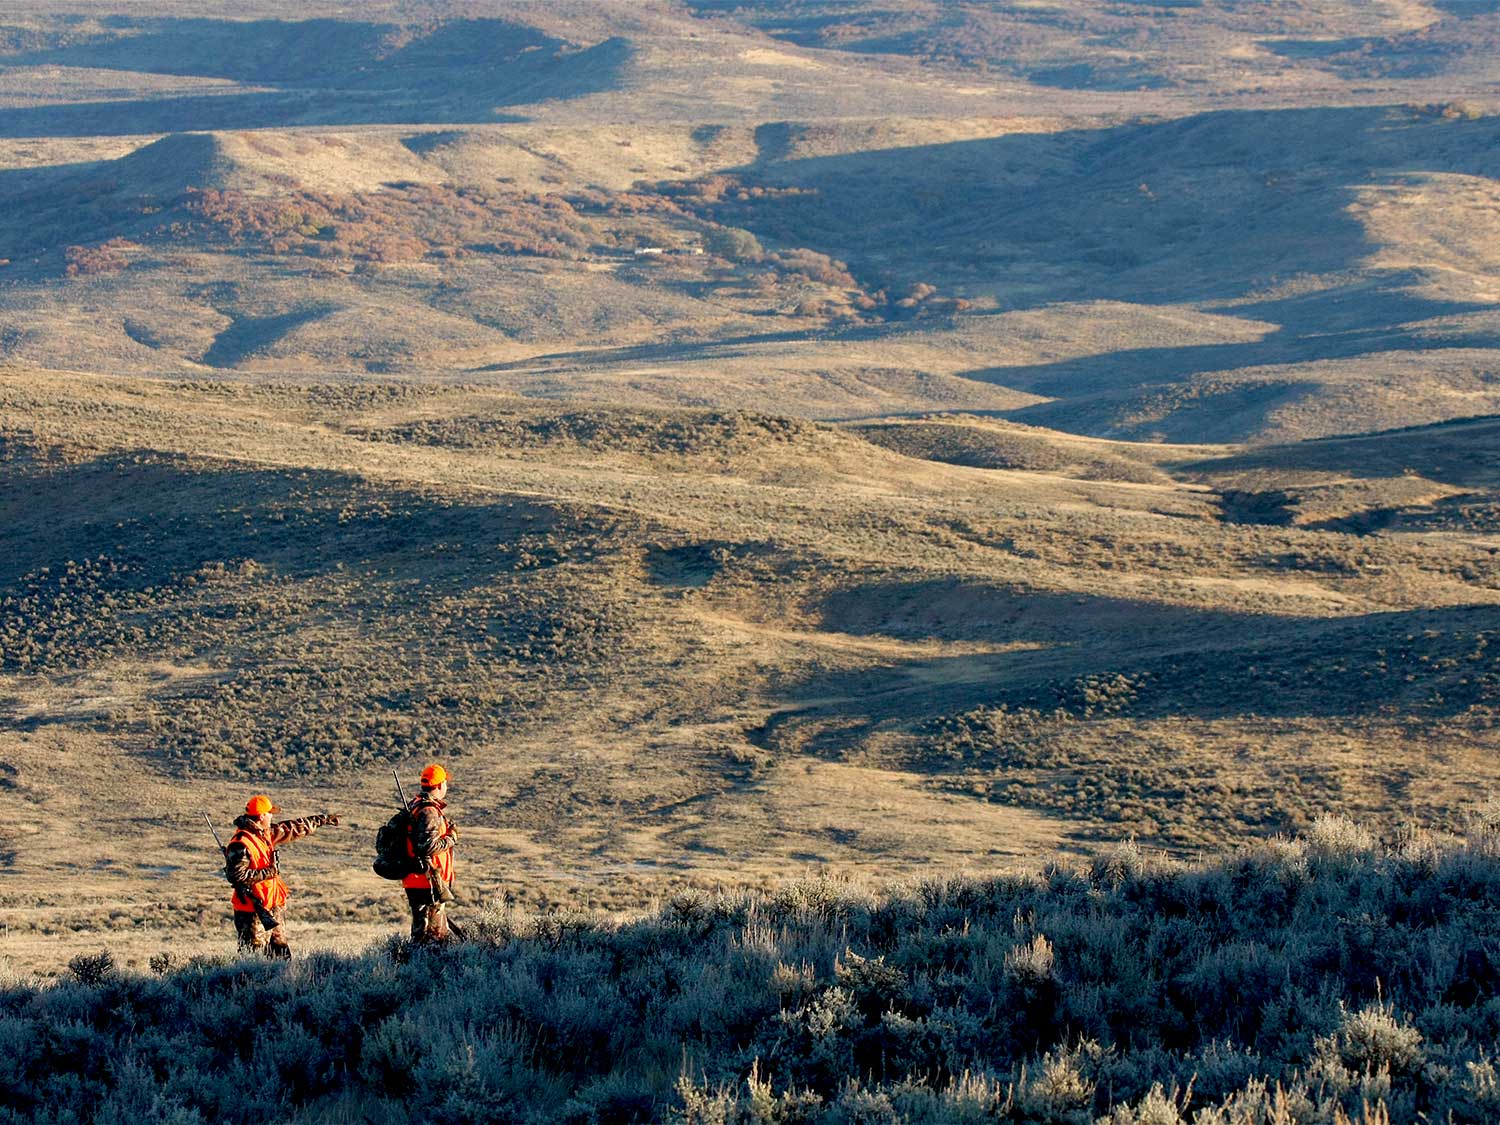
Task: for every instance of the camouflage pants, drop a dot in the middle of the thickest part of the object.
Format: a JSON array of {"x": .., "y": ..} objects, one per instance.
[
  {"x": 429, "y": 920},
  {"x": 255, "y": 938}
]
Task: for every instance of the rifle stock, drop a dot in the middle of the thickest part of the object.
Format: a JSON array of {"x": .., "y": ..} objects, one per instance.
[
  {"x": 441, "y": 891},
  {"x": 267, "y": 919}
]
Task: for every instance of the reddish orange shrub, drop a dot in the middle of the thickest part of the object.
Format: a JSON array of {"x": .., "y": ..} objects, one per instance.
[{"x": 105, "y": 257}]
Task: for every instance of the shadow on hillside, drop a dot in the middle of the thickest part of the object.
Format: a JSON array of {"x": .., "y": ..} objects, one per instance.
[
  {"x": 230, "y": 111},
  {"x": 1207, "y": 208},
  {"x": 1189, "y": 663},
  {"x": 1373, "y": 322},
  {"x": 1465, "y": 34},
  {"x": 1464, "y": 453},
  {"x": 161, "y": 516},
  {"x": 729, "y": 347},
  {"x": 1467, "y": 8},
  {"x": 55, "y": 205},
  {"x": 1074, "y": 634},
  {"x": 324, "y": 72},
  {"x": 956, "y": 610},
  {"x": 1110, "y": 371},
  {"x": 248, "y": 334},
  {"x": 1370, "y": 57}
]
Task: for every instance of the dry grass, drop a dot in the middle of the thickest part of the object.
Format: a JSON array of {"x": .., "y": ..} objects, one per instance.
[
  {"x": 674, "y": 648},
  {"x": 1330, "y": 978},
  {"x": 341, "y": 427}
]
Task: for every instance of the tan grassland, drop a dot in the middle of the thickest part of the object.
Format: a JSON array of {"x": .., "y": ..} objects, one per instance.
[
  {"x": 799, "y": 640},
  {"x": 740, "y": 440}
]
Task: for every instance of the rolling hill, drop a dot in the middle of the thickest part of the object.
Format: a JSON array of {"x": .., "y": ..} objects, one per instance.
[
  {"x": 695, "y": 646},
  {"x": 738, "y": 438}
]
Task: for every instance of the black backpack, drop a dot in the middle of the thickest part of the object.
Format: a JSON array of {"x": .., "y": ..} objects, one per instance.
[{"x": 392, "y": 859}]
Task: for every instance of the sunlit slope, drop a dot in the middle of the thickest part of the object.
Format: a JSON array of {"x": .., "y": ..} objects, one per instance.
[
  {"x": 789, "y": 587},
  {"x": 1188, "y": 47},
  {"x": 1257, "y": 275}
]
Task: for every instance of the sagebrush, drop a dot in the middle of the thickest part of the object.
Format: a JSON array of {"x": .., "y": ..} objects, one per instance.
[{"x": 1320, "y": 980}]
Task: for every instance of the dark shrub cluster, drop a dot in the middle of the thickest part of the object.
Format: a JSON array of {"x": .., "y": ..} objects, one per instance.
[
  {"x": 655, "y": 432},
  {"x": 1253, "y": 550},
  {"x": 1317, "y": 981},
  {"x": 1391, "y": 667},
  {"x": 1082, "y": 747},
  {"x": 343, "y": 669},
  {"x": 59, "y": 617},
  {"x": 108, "y": 256},
  {"x": 734, "y": 212},
  {"x": 352, "y": 623},
  {"x": 444, "y": 677},
  {"x": 405, "y": 222},
  {"x": 88, "y": 227}
]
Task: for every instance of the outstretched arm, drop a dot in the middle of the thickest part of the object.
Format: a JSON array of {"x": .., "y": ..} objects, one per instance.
[{"x": 285, "y": 831}]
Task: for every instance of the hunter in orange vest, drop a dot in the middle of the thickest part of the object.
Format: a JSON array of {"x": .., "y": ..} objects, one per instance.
[
  {"x": 431, "y": 843},
  {"x": 252, "y": 868}
]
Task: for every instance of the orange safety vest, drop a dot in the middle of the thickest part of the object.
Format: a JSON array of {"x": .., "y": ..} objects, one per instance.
[
  {"x": 271, "y": 892},
  {"x": 442, "y": 862}
]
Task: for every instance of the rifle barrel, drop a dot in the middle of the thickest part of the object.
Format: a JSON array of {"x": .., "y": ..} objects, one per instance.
[{"x": 214, "y": 830}]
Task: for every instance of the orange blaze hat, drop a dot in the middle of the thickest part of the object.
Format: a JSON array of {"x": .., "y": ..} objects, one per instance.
[
  {"x": 260, "y": 804},
  {"x": 433, "y": 776}
]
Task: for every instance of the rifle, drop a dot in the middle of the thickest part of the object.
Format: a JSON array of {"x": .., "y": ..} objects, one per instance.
[
  {"x": 267, "y": 919},
  {"x": 437, "y": 890}
]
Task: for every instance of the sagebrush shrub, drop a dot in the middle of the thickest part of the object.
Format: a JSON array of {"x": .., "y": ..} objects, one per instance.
[
  {"x": 1287, "y": 983},
  {"x": 93, "y": 968}
]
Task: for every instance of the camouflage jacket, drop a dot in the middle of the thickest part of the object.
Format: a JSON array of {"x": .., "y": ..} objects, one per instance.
[
  {"x": 431, "y": 831},
  {"x": 431, "y": 841},
  {"x": 237, "y": 860}
]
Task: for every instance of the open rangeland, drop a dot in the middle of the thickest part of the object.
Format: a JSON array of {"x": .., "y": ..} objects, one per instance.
[
  {"x": 740, "y": 439},
  {"x": 665, "y": 648}
]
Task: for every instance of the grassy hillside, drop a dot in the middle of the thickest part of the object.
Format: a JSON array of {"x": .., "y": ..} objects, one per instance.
[
  {"x": 737, "y": 438},
  {"x": 1178, "y": 44},
  {"x": 1220, "y": 277},
  {"x": 1321, "y": 980},
  {"x": 1388, "y": 318},
  {"x": 683, "y": 648},
  {"x": 1283, "y": 214}
]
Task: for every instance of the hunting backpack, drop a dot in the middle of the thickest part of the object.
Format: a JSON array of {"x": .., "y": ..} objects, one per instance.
[{"x": 393, "y": 860}]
